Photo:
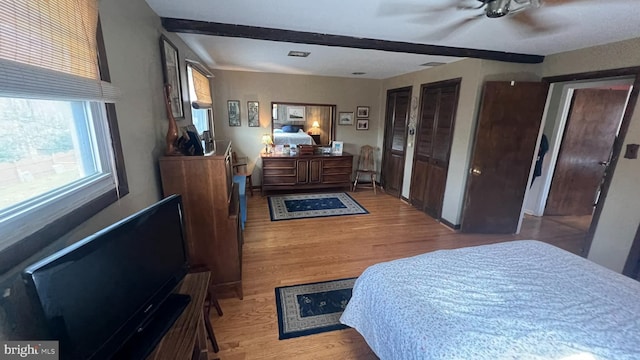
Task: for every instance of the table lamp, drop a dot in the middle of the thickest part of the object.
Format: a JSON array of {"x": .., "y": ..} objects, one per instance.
[
  {"x": 266, "y": 140},
  {"x": 315, "y": 126}
]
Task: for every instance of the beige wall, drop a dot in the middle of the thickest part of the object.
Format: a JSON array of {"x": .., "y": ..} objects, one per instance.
[
  {"x": 621, "y": 213},
  {"x": 132, "y": 40},
  {"x": 131, "y": 33},
  {"x": 346, "y": 93},
  {"x": 473, "y": 73}
]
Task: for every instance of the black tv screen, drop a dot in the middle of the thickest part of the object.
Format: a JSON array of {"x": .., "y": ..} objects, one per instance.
[{"x": 96, "y": 293}]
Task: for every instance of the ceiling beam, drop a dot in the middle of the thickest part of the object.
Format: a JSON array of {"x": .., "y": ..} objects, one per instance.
[{"x": 301, "y": 37}]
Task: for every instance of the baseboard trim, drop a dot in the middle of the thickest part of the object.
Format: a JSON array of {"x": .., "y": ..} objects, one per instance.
[{"x": 448, "y": 224}]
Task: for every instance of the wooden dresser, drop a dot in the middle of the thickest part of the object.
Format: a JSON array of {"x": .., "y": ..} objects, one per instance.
[
  {"x": 286, "y": 172},
  {"x": 211, "y": 205}
]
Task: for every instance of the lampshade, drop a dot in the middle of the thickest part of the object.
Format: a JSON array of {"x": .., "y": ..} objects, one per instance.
[
  {"x": 266, "y": 139},
  {"x": 315, "y": 124}
]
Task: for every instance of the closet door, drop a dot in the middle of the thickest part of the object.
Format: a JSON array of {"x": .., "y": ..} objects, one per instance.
[
  {"x": 395, "y": 140},
  {"x": 439, "y": 102}
]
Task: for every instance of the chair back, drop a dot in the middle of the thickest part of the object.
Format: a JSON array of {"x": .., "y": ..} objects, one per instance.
[{"x": 367, "y": 161}]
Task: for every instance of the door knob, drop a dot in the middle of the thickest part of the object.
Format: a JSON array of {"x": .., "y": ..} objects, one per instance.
[
  {"x": 476, "y": 171},
  {"x": 603, "y": 163}
]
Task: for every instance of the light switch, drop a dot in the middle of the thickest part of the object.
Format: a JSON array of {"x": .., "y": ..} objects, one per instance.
[{"x": 632, "y": 151}]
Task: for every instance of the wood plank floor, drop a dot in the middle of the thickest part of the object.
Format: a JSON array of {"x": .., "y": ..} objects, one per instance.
[{"x": 301, "y": 251}]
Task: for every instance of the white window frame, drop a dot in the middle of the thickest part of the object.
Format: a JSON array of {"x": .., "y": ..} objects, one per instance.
[{"x": 25, "y": 218}]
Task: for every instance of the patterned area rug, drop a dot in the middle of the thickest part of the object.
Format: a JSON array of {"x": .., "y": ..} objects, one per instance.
[
  {"x": 312, "y": 308},
  {"x": 304, "y": 206}
]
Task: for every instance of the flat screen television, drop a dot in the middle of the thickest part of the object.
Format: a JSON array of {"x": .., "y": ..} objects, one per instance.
[{"x": 100, "y": 294}]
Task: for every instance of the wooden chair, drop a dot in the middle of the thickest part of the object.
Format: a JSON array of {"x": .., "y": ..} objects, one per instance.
[
  {"x": 366, "y": 165},
  {"x": 241, "y": 167}
]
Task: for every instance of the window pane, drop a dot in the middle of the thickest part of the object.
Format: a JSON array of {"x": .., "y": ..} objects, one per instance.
[
  {"x": 44, "y": 145},
  {"x": 200, "y": 119}
]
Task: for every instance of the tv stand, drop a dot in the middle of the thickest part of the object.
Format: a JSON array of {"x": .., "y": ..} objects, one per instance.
[{"x": 187, "y": 337}]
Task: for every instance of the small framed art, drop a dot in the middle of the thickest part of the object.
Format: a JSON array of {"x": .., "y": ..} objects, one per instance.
[
  {"x": 295, "y": 114},
  {"x": 253, "y": 113},
  {"x": 233, "y": 106},
  {"x": 362, "y": 111},
  {"x": 345, "y": 118},
  {"x": 362, "y": 124},
  {"x": 336, "y": 147},
  {"x": 171, "y": 75}
]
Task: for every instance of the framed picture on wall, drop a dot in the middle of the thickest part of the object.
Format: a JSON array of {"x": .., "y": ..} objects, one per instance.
[
  {"x": 233, "y": 107},
  {"x": 171, "y": 75},
  {"x": 362, "y": 124},
  {"x": 345, "y": 118},
  {"x": 362, "y": 111},
  {"x": 253, "y": 113},
  {"x": 295, "y": 113}
]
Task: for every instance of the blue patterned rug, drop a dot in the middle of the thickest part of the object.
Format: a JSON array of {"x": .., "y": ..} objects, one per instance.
[
  {"x": 312, "y": 308},
  {"x": 304, "y": 206}
]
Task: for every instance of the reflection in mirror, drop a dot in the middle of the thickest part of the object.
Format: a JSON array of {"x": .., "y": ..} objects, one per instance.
[{"x": 309, "y": 124}]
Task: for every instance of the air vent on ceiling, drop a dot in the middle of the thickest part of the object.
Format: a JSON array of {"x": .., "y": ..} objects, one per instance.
[
  {"x": 432, "y": 63},
  {"x": 358, "y": 73},
  {"x": 299, "y": 53}
]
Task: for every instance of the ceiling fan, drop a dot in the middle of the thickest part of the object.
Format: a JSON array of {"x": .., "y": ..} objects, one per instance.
[
  {"x": 500, "y": 8},
  {"x": 519, "y": 12}
]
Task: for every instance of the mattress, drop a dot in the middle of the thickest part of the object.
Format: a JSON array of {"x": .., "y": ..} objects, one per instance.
[
  {"x": 514, "y": 300},
  {"x": 299, "y": 138}
]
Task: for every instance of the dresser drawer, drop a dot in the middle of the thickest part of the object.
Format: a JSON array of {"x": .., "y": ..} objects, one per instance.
[
  {"x": 336, "y": 178},
  {"x": 278, "y": 163},
  {"x": 279, "y": 171},
  {"x": 279, "y": 180},
  {"x": 339, "y": 163}
]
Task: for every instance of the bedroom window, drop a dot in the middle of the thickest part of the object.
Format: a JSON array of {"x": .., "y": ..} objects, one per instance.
[
  {"x": 57, "y": 156},
  {"x": 201, "y": 102}
]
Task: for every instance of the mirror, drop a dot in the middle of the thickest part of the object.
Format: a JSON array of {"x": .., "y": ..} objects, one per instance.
[{"x": 307, "y": 124}]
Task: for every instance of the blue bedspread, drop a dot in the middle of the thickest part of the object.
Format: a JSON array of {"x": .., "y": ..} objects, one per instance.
[{"x": 514, "y": 300}]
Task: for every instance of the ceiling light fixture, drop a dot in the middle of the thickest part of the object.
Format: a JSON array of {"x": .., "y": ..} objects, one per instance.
[{"x": 299, "y": 53}]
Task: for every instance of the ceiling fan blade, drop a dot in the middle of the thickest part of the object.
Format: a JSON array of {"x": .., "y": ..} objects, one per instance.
[
  {"x": 532, "y": 23},
  {"x": 567, "y": 2},
  {"x": 404, "y": 9},
  {"x": 453, "y": 27}
]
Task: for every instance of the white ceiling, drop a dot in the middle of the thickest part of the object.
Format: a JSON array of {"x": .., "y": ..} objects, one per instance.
[{"x": 576, "y": 24}]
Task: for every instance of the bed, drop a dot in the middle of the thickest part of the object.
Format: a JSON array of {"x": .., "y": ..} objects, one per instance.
[
  {"x": 298, "y": 137},
  {"x": 515, "y": 300}
]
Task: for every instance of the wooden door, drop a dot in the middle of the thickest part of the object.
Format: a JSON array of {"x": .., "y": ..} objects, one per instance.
[
  {"x": 433, "y": 145},
  {"x": 315, "y": 170},
  {"x": 395, "y": 140},
  {"x": 302, "y": 169},
  {"x": 587, "y": 143},
  {"x": 506, "y": 134}
]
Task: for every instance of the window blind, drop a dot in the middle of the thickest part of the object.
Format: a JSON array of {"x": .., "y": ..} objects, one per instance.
[
  {"x": 201, "y": 94},
  {"x": 48, "y": 49}
]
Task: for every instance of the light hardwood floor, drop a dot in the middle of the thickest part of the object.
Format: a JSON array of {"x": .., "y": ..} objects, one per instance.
[{"x": 301, "y": 251}]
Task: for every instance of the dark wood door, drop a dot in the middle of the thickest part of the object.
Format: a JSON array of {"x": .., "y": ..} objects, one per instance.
[
  {"x": 438, "y": 103},
  {"x": 506, "y": 134},
  {"x": 587, "y": 143},
  {"x": 395, "y": 139}
]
